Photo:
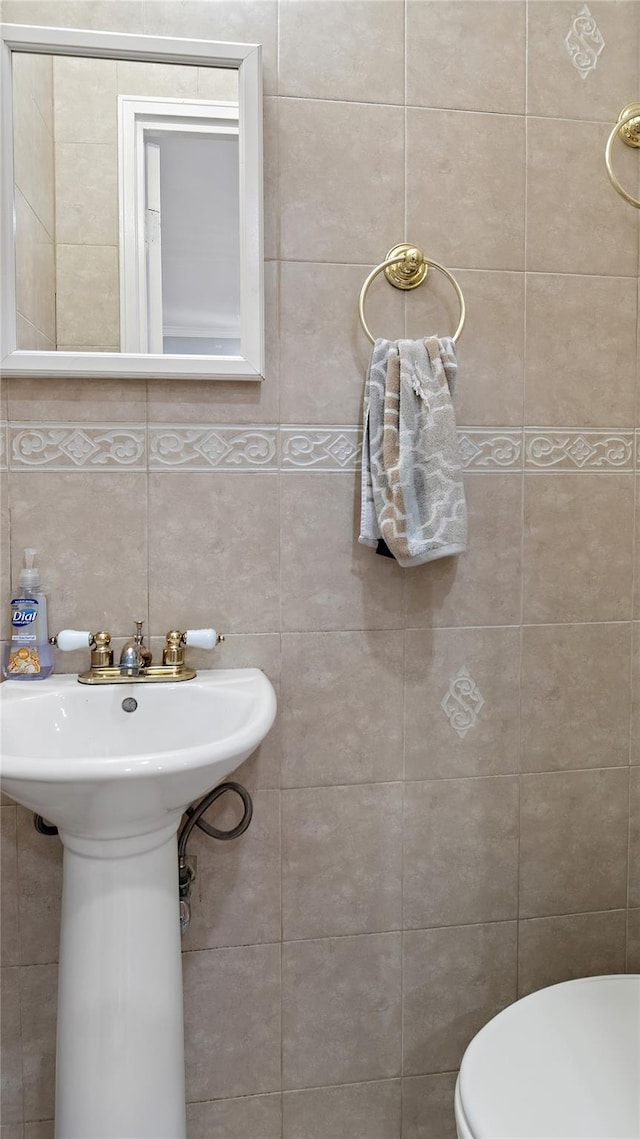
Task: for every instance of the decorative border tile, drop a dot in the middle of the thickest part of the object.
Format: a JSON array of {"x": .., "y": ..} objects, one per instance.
[
  {"x": 197, "y": 448},
  {"x": 339, "y": 448},
  {"x": 320, "y": 448},
  {"x": 327, "y": 448},
  {"x": 578, "y": 450},
  {"x": 490, "y": 450},
  {"x": 74, "y": 446}
]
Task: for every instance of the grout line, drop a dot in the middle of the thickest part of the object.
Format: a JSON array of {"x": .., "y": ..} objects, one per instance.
[
  {"x": 443, "y": 110},
  {"x": 282, "y": 940},
  {"x": 386, "y": 632},
  {"x": 632, "y": 678},
  {"x": 270, "y": 472},
  {"x": 327, "y": 1087},
  {"x": 316, "y": 1088},
  {"x": 526, "y": 58},
  {"x": 148, "y": 509},
  {"x": 426, "y": 629},
  {"x": 281, "y": 619},
  {"x": 434, "y": 779},
  {"x": 634, "y": 587},
  {"x": 405, "y": 603},
  {"x": 330, "y": 263},
  {"x": 628, "y": 873},
  {"x": 522, "y": 512},
  {"x": 20, "y": 976},
  {"x": 279, "y": 438},
  {"x": 159, "y": 635},
  {"x": 301, "y": 425},
  {"x": 329, "y": 937}
]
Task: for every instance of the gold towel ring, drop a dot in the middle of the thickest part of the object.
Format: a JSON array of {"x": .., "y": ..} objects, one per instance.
[
  {"x": 627, "y": 129},
  {"x": 411, "y": 267}
]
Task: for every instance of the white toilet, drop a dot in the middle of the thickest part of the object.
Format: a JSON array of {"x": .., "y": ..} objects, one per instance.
[{"x": 563, "y": 1063}]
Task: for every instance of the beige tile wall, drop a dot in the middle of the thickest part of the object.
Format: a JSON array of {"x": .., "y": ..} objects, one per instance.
[{"x": 442, "y": 812}]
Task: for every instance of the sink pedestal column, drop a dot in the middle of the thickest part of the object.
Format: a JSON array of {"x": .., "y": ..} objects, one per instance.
[{"x": 120, "y": 1048}]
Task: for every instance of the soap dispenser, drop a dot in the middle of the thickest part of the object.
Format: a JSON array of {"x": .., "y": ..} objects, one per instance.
[{"x": 28, "y": 656}]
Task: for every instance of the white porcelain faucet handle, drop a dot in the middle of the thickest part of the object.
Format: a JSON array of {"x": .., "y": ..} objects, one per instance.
[
  {"x": 69, "y": 639},
  {"x": 201, "y": 638}
]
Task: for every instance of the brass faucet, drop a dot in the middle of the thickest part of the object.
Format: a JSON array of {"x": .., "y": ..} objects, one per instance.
[{"x": 135, "y": 659}]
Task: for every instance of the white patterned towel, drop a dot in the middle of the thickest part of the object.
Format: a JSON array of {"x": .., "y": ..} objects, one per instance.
[{"x": 412, "y": 491}]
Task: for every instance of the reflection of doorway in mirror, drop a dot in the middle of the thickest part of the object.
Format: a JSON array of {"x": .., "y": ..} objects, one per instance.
[
  {"x": 66, "y": 188},
  {"x": 179, "y": 226}
]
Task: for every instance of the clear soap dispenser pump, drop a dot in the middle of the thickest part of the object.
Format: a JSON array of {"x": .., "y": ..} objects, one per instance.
[{"x": 28, "y": 655}]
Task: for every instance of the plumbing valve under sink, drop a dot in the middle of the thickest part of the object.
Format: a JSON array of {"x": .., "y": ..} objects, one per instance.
[
  {"x": 187, "y": 873},
  {"x": 188, "y": 864}
]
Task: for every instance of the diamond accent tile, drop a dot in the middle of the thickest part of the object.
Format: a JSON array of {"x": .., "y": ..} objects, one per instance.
[
  {"x": 78, "y": 447},
  {"x": 579, "y": 450},
  {"x": 462, "y": 702},
  {"x": 343, "y": 450},
  {"x": 213, "y": 448},
  {"x": 584, "y": 42}
]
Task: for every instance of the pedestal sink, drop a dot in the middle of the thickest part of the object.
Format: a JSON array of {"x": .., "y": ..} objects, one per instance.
[{"x": 114, "y": 768}]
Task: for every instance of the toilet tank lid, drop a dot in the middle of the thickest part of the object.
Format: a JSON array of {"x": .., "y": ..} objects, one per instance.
[{"x": 562, "y": 1062}]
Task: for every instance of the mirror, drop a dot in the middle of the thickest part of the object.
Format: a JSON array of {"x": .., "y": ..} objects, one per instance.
[{"x": 132, "y": 206}]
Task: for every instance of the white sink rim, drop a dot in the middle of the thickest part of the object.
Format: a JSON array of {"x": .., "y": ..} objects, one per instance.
[{"x": 60, "y": 770}]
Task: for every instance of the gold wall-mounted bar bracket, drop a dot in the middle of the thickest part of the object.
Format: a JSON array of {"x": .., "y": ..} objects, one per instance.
[
  {"x": 411, "y": 271},
  {"x": 629, "y": 134}
]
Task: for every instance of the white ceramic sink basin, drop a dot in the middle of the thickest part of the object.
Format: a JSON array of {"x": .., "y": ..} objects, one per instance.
[{"x": 71, "y": 752}]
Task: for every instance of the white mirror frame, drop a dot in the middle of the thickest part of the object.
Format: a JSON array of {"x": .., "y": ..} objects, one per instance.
[{"x": 247, "y": 59}]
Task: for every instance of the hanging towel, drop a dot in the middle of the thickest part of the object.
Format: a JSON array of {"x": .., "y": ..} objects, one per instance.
[
  {"x": 412, "y": 492},
  {"x": 373, "y": 422}
]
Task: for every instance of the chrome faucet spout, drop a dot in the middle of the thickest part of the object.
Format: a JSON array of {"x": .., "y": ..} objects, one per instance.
[{"x": 135, "y": 656}]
